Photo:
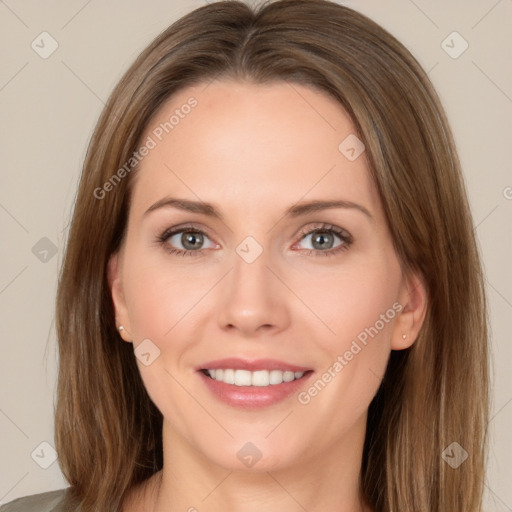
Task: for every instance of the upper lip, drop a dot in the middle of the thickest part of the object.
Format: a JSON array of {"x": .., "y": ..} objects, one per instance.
[{"x": 254, "y": 365}]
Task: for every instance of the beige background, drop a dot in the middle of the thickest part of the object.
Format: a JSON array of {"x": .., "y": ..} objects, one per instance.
[{"x": 48, "y": 109}]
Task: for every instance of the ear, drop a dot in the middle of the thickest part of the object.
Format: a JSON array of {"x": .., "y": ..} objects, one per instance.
[
  {"x": 116, "y": 291},
  {"x": 413, "y": 299}
]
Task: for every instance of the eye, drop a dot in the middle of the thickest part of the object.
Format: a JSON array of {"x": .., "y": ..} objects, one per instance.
[
  {"x": 323, "y": 240},
  {"x": 192, "y": 240},
  {"x": 189, "y": 237}
]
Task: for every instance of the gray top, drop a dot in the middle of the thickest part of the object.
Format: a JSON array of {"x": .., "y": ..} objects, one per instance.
[{"x": 45, "y": 502}]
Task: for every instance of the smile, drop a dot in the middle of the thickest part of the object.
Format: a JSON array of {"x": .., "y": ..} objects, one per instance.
[
  {"x": 261, "y": 378},
  {"x": 253, "y": 383}
]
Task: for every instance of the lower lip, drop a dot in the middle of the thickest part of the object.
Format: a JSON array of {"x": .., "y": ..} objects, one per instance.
[{"x": 253, "y": 397}]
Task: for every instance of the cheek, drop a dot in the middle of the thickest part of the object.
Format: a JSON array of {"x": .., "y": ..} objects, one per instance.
[
  {"x": 355, "y": 301},
  {"x": 159, "y": 295},
  {"x": 364, "y": 313},
  {"x": 160, "y": 300},
  {"x": 360, "y": 309}
]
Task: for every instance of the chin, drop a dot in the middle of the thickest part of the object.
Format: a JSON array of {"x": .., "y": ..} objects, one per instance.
[{"x": 256, "y": 456}]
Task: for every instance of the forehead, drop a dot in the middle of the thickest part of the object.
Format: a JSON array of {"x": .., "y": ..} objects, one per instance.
[{"x": 251, "y": 145}]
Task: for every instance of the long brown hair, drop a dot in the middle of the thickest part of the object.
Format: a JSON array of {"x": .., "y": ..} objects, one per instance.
[{"x": 108, "y": 431}]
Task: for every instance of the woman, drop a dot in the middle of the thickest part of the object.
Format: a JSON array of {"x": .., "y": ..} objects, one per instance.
[{"x": 271, "y": 296}]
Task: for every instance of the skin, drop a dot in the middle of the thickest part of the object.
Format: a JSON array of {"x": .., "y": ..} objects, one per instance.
[{"x": 252, "y": 151}]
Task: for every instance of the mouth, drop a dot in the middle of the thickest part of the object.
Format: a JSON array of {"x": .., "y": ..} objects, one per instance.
[
  {"x": 260, "y": 378},
  {"x": 253, "y": 384}
]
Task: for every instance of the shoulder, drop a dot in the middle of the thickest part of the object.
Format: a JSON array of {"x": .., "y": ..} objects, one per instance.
[{"x": 43, "y": 502}]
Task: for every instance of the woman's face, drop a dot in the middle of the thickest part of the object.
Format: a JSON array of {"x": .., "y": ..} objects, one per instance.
[{"x": 258, "y": 295}]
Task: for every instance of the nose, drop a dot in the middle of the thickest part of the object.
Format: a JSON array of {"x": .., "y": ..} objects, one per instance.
[{"x": 254, "y": 301}]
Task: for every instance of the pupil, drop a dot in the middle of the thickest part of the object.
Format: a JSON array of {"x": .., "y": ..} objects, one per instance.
[
  {"x": 192, "y": 239},
  {"x": 321, "y": 238}
]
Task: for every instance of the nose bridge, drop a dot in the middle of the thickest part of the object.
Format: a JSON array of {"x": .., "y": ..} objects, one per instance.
[
  {"x": 252, "y": 296},
  {"x": 250, "y": 279},
  {"x": 251, "y": 267}
]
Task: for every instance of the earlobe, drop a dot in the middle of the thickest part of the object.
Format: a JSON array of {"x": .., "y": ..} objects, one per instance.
[
  {"x": 117, "y": 294},
  {"x": 413, "y": 299}
]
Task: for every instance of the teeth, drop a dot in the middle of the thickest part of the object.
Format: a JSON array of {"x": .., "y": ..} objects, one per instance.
[
  {"x": 259, "y": 378},
  {"x": 242, "y": 377},
  {"x": 229, "y": 376}
]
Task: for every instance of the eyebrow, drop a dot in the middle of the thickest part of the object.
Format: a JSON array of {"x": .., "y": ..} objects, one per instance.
[{"x": 293, "y": 211}]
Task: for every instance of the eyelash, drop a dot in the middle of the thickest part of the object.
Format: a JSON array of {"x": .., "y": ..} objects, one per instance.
[{"x": 321, "y": 228}]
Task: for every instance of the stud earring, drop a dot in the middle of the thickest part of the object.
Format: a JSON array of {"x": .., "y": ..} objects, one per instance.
[
  {"x": 121, "y": 328},
  {"x": 404, "y": 336}
]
